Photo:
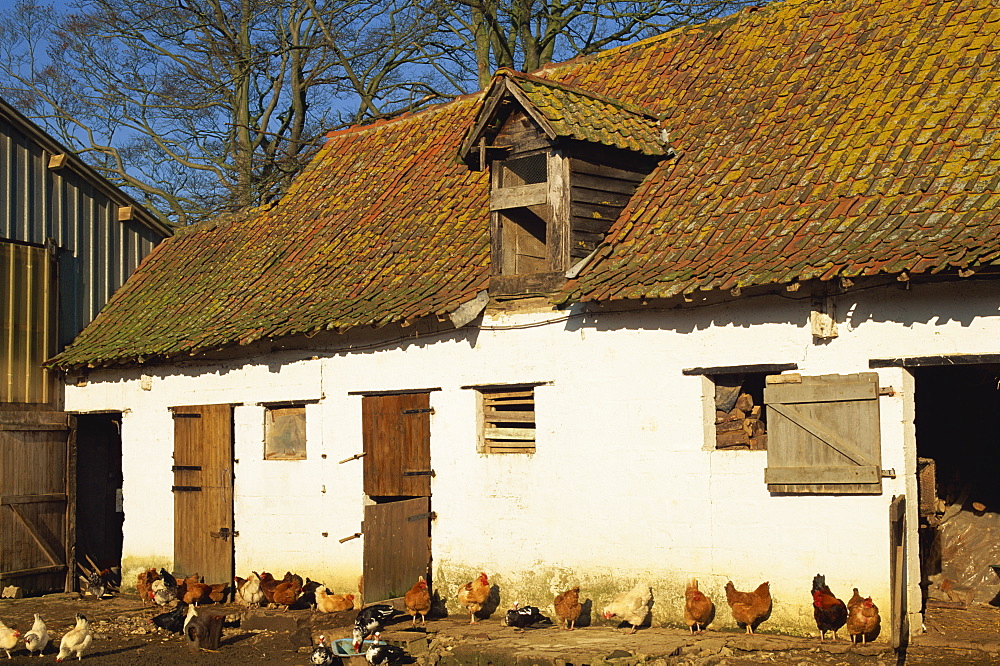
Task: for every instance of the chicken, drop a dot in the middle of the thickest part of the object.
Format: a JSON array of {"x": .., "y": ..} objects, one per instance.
[
  {"x": 568, "y": 608},
  {"x": 474, "y": 594},
  {"x": 418, "y": 601},
  {"x": 96, "y": 583},
  {"x": 8, "y": 638},
  {"x": 202, "y": 631},
  {"x": 248, "y": 590},
  {"x": 698, "y": 608},
  {"x": 524, "y": 616},
  {"x": 332, "y": 603},
  {"x": 288, "y": 591},
  {"x": 219, "y": 592},
  {"x": 322, "y": 654},
  {"x": 37, "y": 637},
  {"x": 143, "y": 585},
  {"x": 164, "y": 588},
  {"x": 193, "y": 591},
  {"x": 370, "y": 621},
  {"x": 76, "y": 640},
  {"x": 382, "y": 653},
  {"x": 631, "y": 606},
  {"x": 749, "y": 608},
  {"x": 172, "y": 621},
  {"x": 267, "y": 585},
  {"x": 307, "y": 597},
  {"x": 862, "y": 618},
  {"x": 829, "y": 612}
]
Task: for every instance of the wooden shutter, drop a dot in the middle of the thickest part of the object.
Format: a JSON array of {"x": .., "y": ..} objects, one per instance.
[
  {"x": 509, "y": 420},
  {"x": 823, "y": 434},
  {"x": 397, "y": 547}
]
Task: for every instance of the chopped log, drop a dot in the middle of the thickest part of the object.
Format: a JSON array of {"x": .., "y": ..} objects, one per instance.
[
  {"x": 753, "y": 427},
  {"x": 759, "y": 443},
  {"x": 744, "y": 402},
  {"x": 730, "y": 426},
  {"x": 732, "y": 439},
  {"x": 754, "y": 412},
  {"x": 736, "y": 415},
  {"x": 720, "y": 416}
]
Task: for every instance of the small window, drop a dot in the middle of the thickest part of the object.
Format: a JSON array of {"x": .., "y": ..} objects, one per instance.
[
  {"x": 508, "y": 419},
  {"x": 529, "y": 170},
  {"x": 740, "y": 421},
  {"x": 285, "y": 433}
]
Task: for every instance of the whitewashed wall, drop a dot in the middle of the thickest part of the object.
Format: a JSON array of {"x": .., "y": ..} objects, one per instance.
[{"x": 625, "y": 483}]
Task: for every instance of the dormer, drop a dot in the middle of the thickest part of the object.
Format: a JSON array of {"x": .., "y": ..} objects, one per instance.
[{"x": 564, "y": 163}]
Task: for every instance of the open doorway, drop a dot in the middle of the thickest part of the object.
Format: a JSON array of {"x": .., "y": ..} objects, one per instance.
[
  {"x": 99, "y": 514},
  {"x": 958, "y": 452}
]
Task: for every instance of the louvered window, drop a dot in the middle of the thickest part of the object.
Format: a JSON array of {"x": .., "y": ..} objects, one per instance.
[{"x": 508, "y": 419}]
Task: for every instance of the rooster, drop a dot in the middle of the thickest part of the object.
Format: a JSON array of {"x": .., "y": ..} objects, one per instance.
[
  {"x": 631, "y": 607},
  {"x": 568, "y": 607},
  {"x": 418, "y": 601},
  {"x": 829, "y": 611},
  {"x": 862, "y": 617},
  {"x": 76, "y": 640},
  {"x": 37, "y": 637},
  {"x": 698, "y": 608},
  {"x": 749, "y": 608},
  {"x": 474, "y": 594},
  {"x": 8, "y": 638},
  {"x": 164, "y": 589}
]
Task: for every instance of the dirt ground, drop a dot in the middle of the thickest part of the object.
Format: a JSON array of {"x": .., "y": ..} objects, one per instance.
[{"x": 125, "y": 636}]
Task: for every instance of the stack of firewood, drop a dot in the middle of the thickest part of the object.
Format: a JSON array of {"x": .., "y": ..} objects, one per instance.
[{"x": 741, "y": 427}]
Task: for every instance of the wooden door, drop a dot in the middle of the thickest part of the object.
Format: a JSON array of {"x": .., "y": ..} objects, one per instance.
[
  {"x": 823, "y": 434},
  {"x": 397, "y": 473},
  {"x": 203, "y": 491},
  {"x": 396, "y": 430},
  {"x": 36, "y": 532},
  {"x": 397, "y": 547}
]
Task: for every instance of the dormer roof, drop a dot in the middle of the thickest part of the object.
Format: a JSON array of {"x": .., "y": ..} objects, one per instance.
[{"x": 564, "y": 111}]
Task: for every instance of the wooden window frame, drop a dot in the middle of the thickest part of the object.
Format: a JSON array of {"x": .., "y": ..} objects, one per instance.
[
  {"x": 516, "y": 438},
  {"x": 300, "y": 452}
]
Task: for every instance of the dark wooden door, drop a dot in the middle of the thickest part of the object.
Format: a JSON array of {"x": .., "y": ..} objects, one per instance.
[
  {"x": 397, "y": 547},
  {"x": 36, "y": 534},
  {"x": 203, "y": 491},
  {"x": 397, "y": 435},
  {"x": 397, "y": 473}
]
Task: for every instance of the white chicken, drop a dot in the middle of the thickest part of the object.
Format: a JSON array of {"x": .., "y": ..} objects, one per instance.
[
  {"x": 8, "y": 638},
  {"x": 249, "y": 593},
  {"x": 76, "y": 640},
  {"x": 38, "y": 637},
  {"x": 631, "y": 606}
]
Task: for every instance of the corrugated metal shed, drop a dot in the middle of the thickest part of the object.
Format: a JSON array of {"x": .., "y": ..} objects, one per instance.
[{"x": 49, "y": 196}]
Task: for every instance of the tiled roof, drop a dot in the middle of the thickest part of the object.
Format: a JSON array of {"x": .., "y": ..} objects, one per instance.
[
  {"x": 815, "y": 139},
  {"x": 574, "y": 113},
  {"x": 385, "y": 225}
]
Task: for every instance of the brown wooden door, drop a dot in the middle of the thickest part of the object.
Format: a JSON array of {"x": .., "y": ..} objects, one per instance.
[
  {"x": 203, "y": 491},
  {"x": 397, "y": 436},
  {"x": 35, "y": 500},
  {"x": 397, "y": 547},
  {"x": 397, "y": 471}
]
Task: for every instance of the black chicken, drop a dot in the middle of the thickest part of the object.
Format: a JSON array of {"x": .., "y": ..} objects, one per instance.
[
  {"x": 369, "y": 621},
  {"x": 165, "y": 589},
  {"x": 172, "y": 621},
  {"x": 524, "y": 616}
]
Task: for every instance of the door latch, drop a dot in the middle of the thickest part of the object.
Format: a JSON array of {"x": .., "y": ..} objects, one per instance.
[{"x": 224, "y": 533}]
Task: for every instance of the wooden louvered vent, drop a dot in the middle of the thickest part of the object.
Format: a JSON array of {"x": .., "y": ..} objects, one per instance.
[{"x": 509, "y": 419}]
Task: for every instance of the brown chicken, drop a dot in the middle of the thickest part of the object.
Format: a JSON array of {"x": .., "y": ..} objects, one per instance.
[
  {"x": 288, "y": 590},
  {"x": 568, "y": 608},
  {"x": 144, "y": 583},
  {"x": 267, "y": 585},
  {"x": 829, "y": 612},
  {"x": 698, "y": 608},
  {"x": 220, "y": 592},
  {"x": 418, "y": 601},
  {"x": 332, "y": 603},
  {"x": 862, "y": 618},
  {"x": 474, "y": 594},
  {"x": 194, "y": 591},
  {"x": 749, "y": 608}
]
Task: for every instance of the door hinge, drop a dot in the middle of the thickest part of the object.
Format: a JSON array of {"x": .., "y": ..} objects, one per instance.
[
  {"x": 186, "y": 468},
  {"x": 889, "y": 473},
  {"x": 426, "y": 410},
  {"x": 224, "y": 533},
  {"x": 886, "y": 391},
  {"x": 421, "y": 516},
  {"x": 185, "y": 415},
  {"x": 419, "y": 472},
  {"x": 186, "y": 488}
]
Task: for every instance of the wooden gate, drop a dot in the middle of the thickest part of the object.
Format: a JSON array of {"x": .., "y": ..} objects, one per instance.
[
  {"x": 823, "y": 434},
  {"x": 397, "y": 474},
  {"x": 36, "y": 532},
  {"x": 203, "y": 491}
]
